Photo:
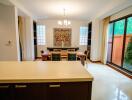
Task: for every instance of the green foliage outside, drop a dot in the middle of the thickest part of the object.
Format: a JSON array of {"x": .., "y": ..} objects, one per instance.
[
  {"x": 119, "y": 30},
  {"x": 128, "y": 56}
]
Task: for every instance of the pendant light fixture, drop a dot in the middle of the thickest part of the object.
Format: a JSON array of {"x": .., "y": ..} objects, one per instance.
[{"x": 64, "y": 22}]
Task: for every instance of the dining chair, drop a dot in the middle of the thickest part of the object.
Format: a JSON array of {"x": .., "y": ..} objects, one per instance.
[
  {"x": 72, "y": 57},
  {"x": 87, "y": 53},
  {"x": 57, "y": 50},
  {"x": 55, "y": 56},
  {"x": 71, "y": 50}
]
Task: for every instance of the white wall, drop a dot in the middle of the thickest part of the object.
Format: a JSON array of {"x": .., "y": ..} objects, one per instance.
[
  {"x": 29, "y": 39},
  {"x": 96, "y": 44},
  {"x": 8, "y": 32},
  {"x": 96, "y": 40},
  {"x": 122, "y": 13},
  {"x": 51, "y": 24}
]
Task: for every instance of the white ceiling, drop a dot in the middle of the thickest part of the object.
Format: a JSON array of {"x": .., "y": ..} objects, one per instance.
[
  {"x": 53, "y": 9},
  {"x": 75, "y": 9}
]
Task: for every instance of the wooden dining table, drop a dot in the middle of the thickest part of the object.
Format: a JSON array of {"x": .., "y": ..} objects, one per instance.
[{"x": 64, "y": 54}]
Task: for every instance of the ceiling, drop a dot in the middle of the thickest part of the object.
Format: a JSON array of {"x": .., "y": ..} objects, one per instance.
[{"x": 75, "y": 9}]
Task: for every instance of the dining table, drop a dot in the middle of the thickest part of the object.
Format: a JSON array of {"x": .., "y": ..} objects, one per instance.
[{"x": 64, "y": 54}]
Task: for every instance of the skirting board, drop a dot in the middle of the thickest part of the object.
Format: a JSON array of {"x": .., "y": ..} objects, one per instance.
[{"x": 121, "y": 71}]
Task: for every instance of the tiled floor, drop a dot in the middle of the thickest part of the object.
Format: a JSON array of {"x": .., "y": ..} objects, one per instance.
[{"x": 109, "y": 84}]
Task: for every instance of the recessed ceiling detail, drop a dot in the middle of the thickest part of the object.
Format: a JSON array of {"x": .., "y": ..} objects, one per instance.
[{"x": 77, "y": 9}]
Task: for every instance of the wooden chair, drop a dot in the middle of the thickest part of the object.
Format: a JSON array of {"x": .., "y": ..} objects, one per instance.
[
  {"x": 57, "y": 50},
  {"x": 64, "y": 53},
  {"x": 55, "y": 56},
  {"x": 72, "y": 57},
  {"x": 71, "y": 50},
  {"x": 83, "y": 60}
]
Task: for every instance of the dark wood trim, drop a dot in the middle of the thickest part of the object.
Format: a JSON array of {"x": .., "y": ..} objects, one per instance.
[
  {"x": 124, "y": 40},
  {"x": 112, "y": 41},
  {"x": 124, "y": 17},
  {"x": 62, "y": 48},
  {"x": 121, "y": 71},
  {"x": 120, "y": 67}
]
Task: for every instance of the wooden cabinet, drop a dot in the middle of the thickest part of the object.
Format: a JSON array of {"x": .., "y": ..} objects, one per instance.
[
  {"x": 69, "y": 91},
  {"x": 5, "y": 92},
  {"x": 47, "y": 91},
  {"x": 30, "y": 92}
]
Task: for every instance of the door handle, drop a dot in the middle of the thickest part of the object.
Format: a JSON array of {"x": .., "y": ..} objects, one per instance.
[
  {"x": 20, "y": 86},
  {"x": 54, "y": 86},
  {"x": 4, "y": 86}
]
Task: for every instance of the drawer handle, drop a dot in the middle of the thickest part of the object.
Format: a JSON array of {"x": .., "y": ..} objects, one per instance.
[
  {"x": 54, "y": 86},
  {"x": 6, "y": 86},
  {"x": 20, "y": 86}
]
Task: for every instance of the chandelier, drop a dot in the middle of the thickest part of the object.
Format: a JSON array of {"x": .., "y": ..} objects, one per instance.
[{"x": 64, "y": 22}]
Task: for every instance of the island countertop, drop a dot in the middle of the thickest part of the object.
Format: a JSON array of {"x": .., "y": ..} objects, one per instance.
[{"x": 43, "y": 71}]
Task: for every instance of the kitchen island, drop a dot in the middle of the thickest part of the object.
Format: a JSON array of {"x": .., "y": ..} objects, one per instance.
[{"x": 50, "y": 80}]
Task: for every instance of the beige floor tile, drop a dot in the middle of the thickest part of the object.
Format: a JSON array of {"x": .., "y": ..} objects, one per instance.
[{"x": 109, "y": 84}]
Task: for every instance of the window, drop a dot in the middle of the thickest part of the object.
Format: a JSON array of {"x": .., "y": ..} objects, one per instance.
[
  {"x": 127, "y": 64},
  {"x": 120, "y": 43},
  {"x": 40, "y": 35},
  {"x": 118, "y": 37},
  {"x": 83, "y": 35}
]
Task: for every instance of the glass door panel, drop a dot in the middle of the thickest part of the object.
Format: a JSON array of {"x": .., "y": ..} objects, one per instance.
[
  {"x": 127, "y": 64},
  {"x": 118, "y": 42},
  {"x": 110, "y": 34}
]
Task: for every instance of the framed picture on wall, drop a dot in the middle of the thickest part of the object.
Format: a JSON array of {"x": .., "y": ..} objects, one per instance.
[{"x": 62, "y": 37}]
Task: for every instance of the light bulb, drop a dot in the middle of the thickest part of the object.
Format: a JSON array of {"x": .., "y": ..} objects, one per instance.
[{"x": 60, "y": 22}]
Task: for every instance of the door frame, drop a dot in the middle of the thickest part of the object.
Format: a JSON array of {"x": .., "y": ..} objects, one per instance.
[{"x": 124, "y": 39}]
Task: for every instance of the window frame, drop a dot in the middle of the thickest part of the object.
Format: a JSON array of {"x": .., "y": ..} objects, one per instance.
[
  {"x": 124, "y": 39},
  {"x": 83, "y": 39},
  {"x": 41, "y": 34}
]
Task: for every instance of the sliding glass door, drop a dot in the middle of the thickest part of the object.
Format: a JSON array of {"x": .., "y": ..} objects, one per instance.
[
  {"x": 127, "y": 63},
  {"x": 120, "y": 43}
]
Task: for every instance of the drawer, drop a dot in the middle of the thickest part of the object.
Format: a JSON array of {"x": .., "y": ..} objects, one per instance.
[{"x": 69, "y": 91}]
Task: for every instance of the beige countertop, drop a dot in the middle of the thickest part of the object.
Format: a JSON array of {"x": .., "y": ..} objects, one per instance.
[{"x": 43, "y": 71}]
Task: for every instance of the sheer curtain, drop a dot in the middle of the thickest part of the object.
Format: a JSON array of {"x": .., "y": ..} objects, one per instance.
[{"x": 104, "y": 39}]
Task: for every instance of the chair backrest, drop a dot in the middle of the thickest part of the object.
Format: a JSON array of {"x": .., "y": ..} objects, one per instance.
[
  {"x": 72, "y": 57},
  {"x": 57, "y": 50},
  {"x": 86, "y": 52},
  {"x": 56, "y": 57},
  {"x": 71, "y": 50}
]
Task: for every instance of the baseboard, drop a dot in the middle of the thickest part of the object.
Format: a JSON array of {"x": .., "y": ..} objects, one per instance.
[
  {"x": 121, "y": 71},
  {"x": 94, "y": 61}
]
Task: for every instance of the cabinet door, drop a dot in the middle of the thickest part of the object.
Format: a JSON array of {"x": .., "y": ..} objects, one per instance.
[
  {"x": 69, "y": 91},
  {"x": 53, "y": 91},
  {"x": 76, "y": 91},
  {"x": 30, "y": 92},
  {"x": 5, "y": 92}
]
